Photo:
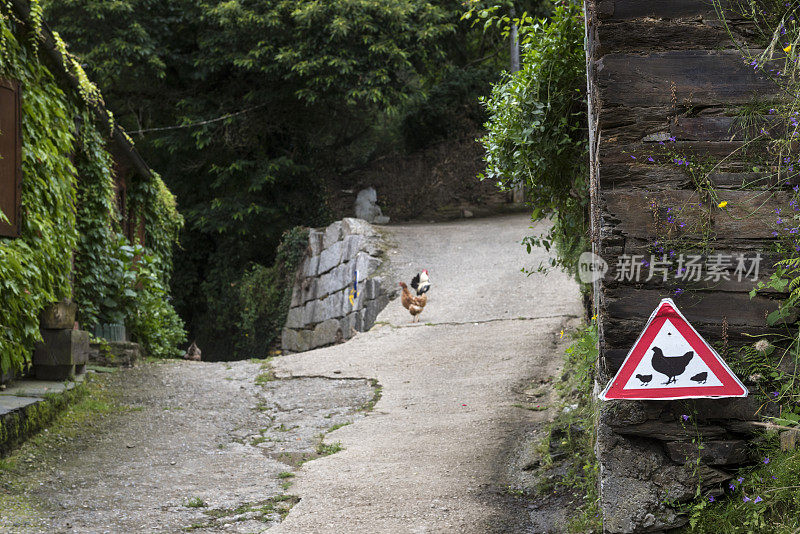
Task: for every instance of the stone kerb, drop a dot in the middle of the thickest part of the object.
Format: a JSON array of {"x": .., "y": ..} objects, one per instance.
[{"x": 321, "y": 312}]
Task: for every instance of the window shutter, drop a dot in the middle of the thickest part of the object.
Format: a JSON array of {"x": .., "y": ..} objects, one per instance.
[{"x": 10, "y": 158}]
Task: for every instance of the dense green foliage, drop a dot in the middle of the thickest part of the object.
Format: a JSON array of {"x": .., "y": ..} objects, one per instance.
[
  {"x": 537, "y": 129},
  {"x": 62, "y": 214},
  {"x": 34, "y": 268},
  {"x": 246, "y": 107},
  {"x": 265, "y": 294}
]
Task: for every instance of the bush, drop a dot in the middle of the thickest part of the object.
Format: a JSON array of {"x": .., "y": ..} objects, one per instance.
[
  {"x": 537, "y": 134},
  {"x": 265, "y": 294}
]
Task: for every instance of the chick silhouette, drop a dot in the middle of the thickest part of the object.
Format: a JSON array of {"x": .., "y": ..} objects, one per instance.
[
  {"x": 645, "y": 379},
  {"x": 700, "y": 378}
]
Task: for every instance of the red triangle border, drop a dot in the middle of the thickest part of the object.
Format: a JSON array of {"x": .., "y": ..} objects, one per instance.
[{"x": 666, "y": 310}]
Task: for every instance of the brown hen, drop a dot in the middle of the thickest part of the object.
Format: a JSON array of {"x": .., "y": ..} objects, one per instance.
[{"x": 413, "y": 304}]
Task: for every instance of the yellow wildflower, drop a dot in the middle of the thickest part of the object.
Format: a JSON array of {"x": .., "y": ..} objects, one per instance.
[
  {"x": 722, "y": 204},
  {"x": 788, "y": 49}
]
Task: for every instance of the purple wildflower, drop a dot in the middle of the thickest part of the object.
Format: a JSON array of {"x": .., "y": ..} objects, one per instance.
[
  {"x": 758, "y": 500},
  {"x": 710, "y": 498},
  {"x": 740, "y": 480},
  {"x": 766, "y": 460},
  {"x": 685, "y": 417},
  {"x": 650, "y": 159},
  {"x": 775, "y": 394},
  {"x": 678, "y": 292},
  {"x": 732, "y": 487},
  {"x": 634, "y": 157},
  {"x": 746, "y": 499}
]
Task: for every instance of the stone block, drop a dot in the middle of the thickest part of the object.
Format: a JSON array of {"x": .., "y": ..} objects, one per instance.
[
  {"x": 297, "y": 295},
  {"x": 333, "y": 233},
  {"x": 372, "y": 288},
  {"x": 288, "y": 339},
  {"x": 296, "y": 340},
  {"x": 373, "y": 247},
  {"x": 789, "y": 440},
  {"x": 352, "y": 226},
  {"x": 59, "y": 315},
  {"x": 330, "y": 257},
  {"x": 62, "y": 347},
  {"x": 114, "y": 353},
  {"x": 315, "y": 238},
  {"x": 309, "y": 312},
  {"x": 372, "y": 309},
  {"x": 348, "y": 324},
  {"x": 335, "y": 280},
  {"x": 309, "y": 290},
  {"x": 366, "y": 264},
  {"x": 327, "y": 333},
  {"x": 724, "y": 452},
  {"x": 327, "y": 308},
  {"x": 310, "y": 267},
  {"x": 295, "y": 317},
  {"x": 671, "y": 431},
  {"x": 351, "y": 246}
]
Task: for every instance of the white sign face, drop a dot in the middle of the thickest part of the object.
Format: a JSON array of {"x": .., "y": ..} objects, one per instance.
[
  {"x": 672, "y": 356},
  {"x": 670, "y": 360}
]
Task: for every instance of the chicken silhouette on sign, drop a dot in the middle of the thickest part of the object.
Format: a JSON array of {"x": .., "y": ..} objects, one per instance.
[{"x": 670, "y": 360}]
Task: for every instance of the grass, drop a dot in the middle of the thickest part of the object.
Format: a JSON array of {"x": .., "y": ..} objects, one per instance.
[
  {"x": 265, "y": 377},
  {"x": 265, "y": 511},
  {"x": 569, "y": 441},
  {"x": 370, "y": 404},
  {"x": 531, "y": 407},
  {"x": 766, "y": 500},
  {"x": 326, "y": 449},
  {"x": 285, "y": 474},
  {"x": 195, "y": 502},
  {"x": 339, "y": 425}
]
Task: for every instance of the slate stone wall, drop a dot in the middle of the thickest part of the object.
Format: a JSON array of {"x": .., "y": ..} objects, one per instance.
[
  {"x": 666, "y": 73},
  {"x": 321, "y": 312}
]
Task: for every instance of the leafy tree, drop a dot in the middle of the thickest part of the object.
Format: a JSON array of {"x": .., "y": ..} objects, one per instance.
[{"x": 245, "y": 106}]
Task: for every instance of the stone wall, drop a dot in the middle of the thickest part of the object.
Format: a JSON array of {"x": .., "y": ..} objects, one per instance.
[
  {"x": 667, "y": 73},
  {"x": 321, "y": 312}
]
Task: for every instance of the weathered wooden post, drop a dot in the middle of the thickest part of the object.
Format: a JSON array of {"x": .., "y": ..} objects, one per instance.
[{"x": 665, "y": 84}]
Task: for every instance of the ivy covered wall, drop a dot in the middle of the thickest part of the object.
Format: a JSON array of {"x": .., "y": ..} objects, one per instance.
[{"x": 68, "y": 210}]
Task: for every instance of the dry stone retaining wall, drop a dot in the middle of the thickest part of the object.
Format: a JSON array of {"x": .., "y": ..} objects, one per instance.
[{"x": 321, "y": 312}]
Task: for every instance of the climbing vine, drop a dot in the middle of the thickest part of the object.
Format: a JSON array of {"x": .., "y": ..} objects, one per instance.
[{"x": 68, "y": 209}]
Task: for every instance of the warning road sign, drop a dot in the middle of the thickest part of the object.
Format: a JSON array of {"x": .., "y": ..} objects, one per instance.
[{"x": 671, "y": 361}]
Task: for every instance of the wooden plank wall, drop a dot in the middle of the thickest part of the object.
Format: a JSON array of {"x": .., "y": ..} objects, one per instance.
[{"x": 662, "y": 70}]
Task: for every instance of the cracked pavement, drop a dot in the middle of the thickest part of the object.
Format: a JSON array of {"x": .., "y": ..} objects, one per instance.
[{"x": 435, "y": 454}]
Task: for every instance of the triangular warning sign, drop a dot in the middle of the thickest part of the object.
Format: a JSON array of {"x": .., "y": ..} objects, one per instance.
[{"x": 670, "y": 360}]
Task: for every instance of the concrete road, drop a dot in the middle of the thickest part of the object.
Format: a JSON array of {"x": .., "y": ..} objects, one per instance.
[
  {"x": 431, "y": 457},
  {"x": 213, "y": 447}
]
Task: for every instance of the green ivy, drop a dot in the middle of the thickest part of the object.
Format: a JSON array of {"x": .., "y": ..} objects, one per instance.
[
  {"x": 35, "y": 268},
  {"x": 68, "y": 205}
]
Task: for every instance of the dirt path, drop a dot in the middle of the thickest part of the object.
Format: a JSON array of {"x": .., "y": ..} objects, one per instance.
[{"x": 219, "y": 447}]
